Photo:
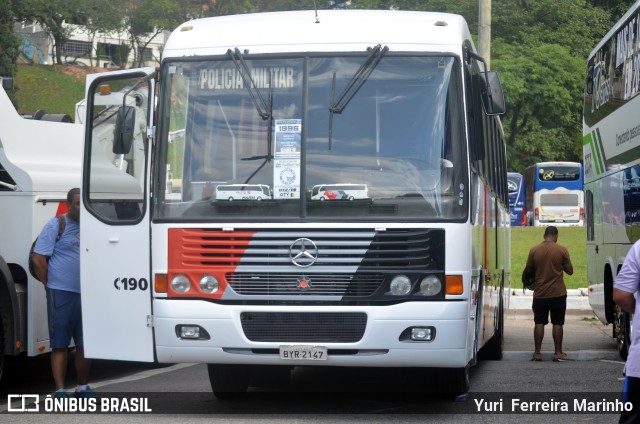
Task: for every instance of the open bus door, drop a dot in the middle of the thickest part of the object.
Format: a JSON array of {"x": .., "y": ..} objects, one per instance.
[{"x": 114, "y": 233}]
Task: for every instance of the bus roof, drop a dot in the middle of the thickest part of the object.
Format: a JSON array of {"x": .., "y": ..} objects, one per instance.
[
  {"x": 336, "y": 30},
  {"x": 556, "y": 163}
]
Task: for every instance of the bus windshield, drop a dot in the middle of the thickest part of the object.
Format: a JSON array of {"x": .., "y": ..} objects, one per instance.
[{"x": 395, "y": 149}]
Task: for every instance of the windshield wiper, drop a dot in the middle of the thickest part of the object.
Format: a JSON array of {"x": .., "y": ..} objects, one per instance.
[
  {"x": 264, "y": 110},
  {"x": 357, "y": 81},
  {"x": 249, "y": 83}
]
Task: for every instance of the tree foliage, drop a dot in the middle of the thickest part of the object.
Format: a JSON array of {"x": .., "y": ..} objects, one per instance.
[
  {"x": 9, "y": 41},
  {"x": 51, "y": 15},
  {"x": 539, "y": 47}
]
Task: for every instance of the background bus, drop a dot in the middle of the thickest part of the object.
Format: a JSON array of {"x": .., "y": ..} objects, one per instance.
[
  {"x": 339, "y": 192},
  {"x": 612, "y": 167},
  {"x": 554, "y": 194},
  {"x": 232, "y": 192},
  {"x": 517, "y": 206},
  {"x": 415, "y": 277}
]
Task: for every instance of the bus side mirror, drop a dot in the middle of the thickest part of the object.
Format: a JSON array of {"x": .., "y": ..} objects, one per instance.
[
  {"x": 492, "y": 94},
  {"x": 123, "y": 133},
  {"x": 589, "y": 83}
]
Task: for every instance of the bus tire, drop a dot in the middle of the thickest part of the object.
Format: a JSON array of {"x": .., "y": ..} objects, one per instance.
[
  {"x": 494, "y": 348},
  {"x": 322, "y": 198},
  {"x": 622, "y": 331},
  {"x": 228, "y": 381},
  {"x": 456, "y": 381}
]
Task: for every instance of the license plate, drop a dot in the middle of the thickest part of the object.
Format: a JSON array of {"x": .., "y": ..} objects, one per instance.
[
  {"x": 308, "y": 353},
  {"x": 559, "y": 220}
]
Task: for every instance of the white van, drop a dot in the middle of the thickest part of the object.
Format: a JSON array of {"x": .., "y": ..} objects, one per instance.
[
  {"x": 339, "y": 192},
  {"x": 232, "y": 192}
]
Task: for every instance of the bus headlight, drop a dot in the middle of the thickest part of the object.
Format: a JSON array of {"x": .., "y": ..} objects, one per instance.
[
  {"x": 430, "y": 286},
  {"x": 400, "y": 285},
  {"x": 180, "y": 283},
  {"x": 209, "y": 284}
]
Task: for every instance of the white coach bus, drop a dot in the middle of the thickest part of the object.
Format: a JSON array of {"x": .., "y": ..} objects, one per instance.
[
  {"x": 611, "y": 151},
  {"x": 339, "y": 192},
  {"x": 243, "y": 192},
  {"x": 417, "y": 276}
]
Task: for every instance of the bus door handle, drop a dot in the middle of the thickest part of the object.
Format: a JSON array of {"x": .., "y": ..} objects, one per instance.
[{"x": 596, "y": 248}]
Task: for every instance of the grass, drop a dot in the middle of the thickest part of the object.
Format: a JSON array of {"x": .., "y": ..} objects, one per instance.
[
  {"x": 43, "y": 87},
  {"x": 573, "y": 238}
]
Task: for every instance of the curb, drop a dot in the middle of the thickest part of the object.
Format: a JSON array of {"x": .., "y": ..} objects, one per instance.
[
  {"x": 577, "y": 303},
  {"x": 579, "y": 355}
]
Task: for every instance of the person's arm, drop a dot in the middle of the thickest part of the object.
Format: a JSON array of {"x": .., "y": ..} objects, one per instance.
[
  {"x": 625, "y": 300},
  {"x": 529, "y": 267},
  {"x": 566, "y": 263},
  {"x": 41, "y": 267}
]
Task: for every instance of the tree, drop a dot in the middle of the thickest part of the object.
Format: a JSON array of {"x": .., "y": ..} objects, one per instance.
[
  {"x": 9, "y": 45},
  {"x": 146, "y": 19},
  {"x": 51, "y": 16},
  {"x": 9, "y": 41},
  {"x": 543, "y": 91},
  {"x": 104, "y": 17}
]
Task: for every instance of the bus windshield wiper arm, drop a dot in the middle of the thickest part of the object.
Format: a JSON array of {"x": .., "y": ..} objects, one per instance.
[
  {"x": 264, "y": 110},
  {"x": 249, "y": 83},
  {"x": 357, "y": 81}
]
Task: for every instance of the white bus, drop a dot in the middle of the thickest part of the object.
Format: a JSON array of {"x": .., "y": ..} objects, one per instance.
[
  {"x": 611, "y": 151},
  {"x": 339, "y": 192},
  {"x": 554, "y": 191},
  {"x": 243, "y": 192},
  {"x": 416, "y": 277}
]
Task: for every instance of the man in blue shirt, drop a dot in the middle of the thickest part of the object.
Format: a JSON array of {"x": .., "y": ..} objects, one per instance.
[
  {"x": 625, "y": 287},
  {"x": 57, "y": 265}
]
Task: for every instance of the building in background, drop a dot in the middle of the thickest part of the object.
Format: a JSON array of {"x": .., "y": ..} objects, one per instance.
[{"x": 85, "y": 49}]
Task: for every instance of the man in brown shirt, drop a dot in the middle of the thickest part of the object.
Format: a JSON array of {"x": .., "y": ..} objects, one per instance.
[{"x": 549, "y": 260}]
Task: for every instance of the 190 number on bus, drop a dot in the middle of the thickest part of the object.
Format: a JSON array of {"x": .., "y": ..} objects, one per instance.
[{"x": 125, "y": 283}]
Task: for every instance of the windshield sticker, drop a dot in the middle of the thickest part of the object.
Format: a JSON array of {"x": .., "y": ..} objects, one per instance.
[{"x": 286, "y": 163}]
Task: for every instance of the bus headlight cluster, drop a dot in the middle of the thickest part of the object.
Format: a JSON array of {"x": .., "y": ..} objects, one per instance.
[
  {"x": 400, "y": 285},
  {"x": 180, "y": 283},
  {"x": 430, "y": 286},
  {"x": 209, "y": 284}
]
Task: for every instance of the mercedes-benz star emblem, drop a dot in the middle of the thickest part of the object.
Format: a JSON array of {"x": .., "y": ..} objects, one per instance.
[{"x": 303, "y": 252}]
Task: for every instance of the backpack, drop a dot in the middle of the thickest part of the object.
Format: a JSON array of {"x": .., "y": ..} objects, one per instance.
[
  {"x": 61, "y": 224},
  {"x": 528, "y": 280}
]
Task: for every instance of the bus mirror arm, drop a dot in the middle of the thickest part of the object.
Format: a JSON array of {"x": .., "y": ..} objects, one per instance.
[{"x": 492, "y": 93}]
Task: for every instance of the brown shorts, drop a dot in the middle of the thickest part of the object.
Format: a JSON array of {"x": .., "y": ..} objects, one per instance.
[{"x": 557, "y": 306}]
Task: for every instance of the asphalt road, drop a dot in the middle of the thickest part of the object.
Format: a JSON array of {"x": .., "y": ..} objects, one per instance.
[{"x": 182, "y": 392}]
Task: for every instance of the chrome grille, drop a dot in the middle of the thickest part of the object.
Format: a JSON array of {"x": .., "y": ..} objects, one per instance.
[{"x": 266, "y": 284}]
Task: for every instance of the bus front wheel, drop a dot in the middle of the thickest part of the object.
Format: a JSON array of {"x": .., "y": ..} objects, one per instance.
[
  {"x": 229, "y": 381},
  {"x": 456, "y": 381}
]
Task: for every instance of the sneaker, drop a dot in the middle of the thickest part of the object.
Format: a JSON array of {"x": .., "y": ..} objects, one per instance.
[
  {"x": 88, "y": 393},
  {"x": 559, "y": 357},
  {"x": 536, "y": 357},
  {"x": 60, "y": 394}
]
